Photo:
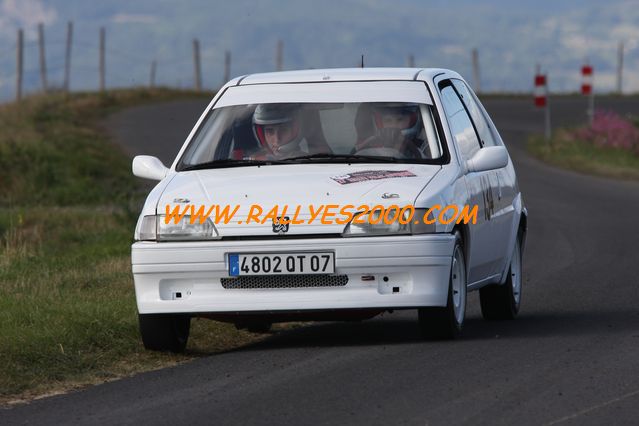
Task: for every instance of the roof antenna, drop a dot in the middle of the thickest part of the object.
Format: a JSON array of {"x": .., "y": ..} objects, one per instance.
[{"x": 362, "y": 61}]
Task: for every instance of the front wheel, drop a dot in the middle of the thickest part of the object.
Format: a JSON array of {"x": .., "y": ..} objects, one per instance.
[
  {"x": 447, "y": 322},
  {"x": 502, "y": 302},
  {"x": 165, "y": 332},
  {"x": 254, "y": 326}
]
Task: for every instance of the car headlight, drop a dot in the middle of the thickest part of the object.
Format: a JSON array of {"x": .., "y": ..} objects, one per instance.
[
  {"x": 146, "y": 229},
  {"x": 155, "y": 228},
  {"x": 423, "y": 222},
  {"x": 373, "y": 224}
]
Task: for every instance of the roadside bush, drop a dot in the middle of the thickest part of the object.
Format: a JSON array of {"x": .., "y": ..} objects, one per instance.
[{"x": 609, "y": 129}]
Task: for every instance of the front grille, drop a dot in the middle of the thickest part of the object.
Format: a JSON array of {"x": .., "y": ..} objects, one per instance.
[
  {"x": 275, "y": 237},
  {"x": 285, "y": 281}
]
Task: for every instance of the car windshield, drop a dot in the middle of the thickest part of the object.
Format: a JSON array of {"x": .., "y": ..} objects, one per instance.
[{"x": 285, "y": 133}]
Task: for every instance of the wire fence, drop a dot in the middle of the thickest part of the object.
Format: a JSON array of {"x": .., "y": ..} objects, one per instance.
[{"x": 79, "y": 63}]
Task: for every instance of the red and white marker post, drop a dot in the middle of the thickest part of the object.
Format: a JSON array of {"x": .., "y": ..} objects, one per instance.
[
  {"x": 586, "y": 90},
  {"x": 541, "y": 100}
]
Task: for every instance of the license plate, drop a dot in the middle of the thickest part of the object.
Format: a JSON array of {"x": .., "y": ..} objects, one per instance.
[{"x": 281, "y": 263}]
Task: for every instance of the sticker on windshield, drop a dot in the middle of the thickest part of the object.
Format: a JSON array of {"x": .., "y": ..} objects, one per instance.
[{"x": 371, "y": 175}]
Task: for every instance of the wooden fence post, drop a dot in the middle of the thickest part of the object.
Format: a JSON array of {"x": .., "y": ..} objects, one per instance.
[
  {"x": 43, "y": 59},
  {"x": 102, "y": 59},
  {"x": 196, "y": 64},
  {"x": 19, "y": 64},
  {"x": 67, "y": 57}
]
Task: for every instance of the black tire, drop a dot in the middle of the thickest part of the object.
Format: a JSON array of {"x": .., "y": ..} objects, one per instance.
[
  {"x": 259, "y": 327},
  {"x": 254, "y": 326},
  {"x": 165, "y": 332},
  {"x": 499, "y": 302},
  {"x": 441, "y": 323}
]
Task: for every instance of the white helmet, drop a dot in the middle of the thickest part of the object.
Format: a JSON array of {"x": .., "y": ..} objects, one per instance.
[{"x": 399, "y": 108}]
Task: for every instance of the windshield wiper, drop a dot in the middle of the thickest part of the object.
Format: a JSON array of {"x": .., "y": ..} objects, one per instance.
[
  {"x": 333, "y": 158},
  {"x": 347, "y": 157},
  {"x": 229, "y": 162}
]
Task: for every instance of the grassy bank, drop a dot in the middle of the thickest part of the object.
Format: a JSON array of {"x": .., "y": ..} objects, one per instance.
[
  {"x": 68, "y": 206},
  {"x": 609, "y": 148}
]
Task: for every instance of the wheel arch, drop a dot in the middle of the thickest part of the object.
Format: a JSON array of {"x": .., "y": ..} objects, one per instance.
[
  {"x": 522, "y": 230},
  {"x": 466, "y": 241}
]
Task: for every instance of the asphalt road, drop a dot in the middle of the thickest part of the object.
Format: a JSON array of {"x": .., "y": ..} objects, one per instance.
[{"x": 572, "y": 356}]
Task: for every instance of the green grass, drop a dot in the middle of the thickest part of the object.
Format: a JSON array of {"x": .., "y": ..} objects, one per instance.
[
  {"x": 585, "y": 157},
  {"x": 52, "y": 153},
  {"x": 68, "y": 207}
]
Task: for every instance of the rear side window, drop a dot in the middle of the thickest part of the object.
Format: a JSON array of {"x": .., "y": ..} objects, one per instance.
[
  {"x": 460, "y": 124},
  {"x": 483, "y": 129}
]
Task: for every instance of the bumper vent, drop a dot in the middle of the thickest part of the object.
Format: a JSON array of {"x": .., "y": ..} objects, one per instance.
[{"x": 284, "y": 281}]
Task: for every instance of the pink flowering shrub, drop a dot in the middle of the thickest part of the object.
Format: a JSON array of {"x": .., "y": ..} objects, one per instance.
[{"x": 610, "y": 130}]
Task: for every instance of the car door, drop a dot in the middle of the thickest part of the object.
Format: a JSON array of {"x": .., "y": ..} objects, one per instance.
[
  {"x": 482, "y": 256},
  {"x": 503, "y": 213}
]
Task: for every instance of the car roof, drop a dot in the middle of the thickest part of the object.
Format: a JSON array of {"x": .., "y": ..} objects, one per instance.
[{"x": 341, "y": 74}]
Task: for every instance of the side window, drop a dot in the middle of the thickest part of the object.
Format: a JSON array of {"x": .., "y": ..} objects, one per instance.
[
  {"x": 460, "y": 124},
  {"x": 483, "y": 129}
]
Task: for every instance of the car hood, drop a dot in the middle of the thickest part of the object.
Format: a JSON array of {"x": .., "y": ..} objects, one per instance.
[{"x": 294, "y": 185}]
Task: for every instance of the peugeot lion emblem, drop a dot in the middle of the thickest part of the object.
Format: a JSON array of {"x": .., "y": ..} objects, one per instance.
[{"x": 279, "y": 227}]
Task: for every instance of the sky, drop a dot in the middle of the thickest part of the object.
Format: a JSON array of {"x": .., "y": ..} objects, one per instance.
[{"x": 512, "y": 38}]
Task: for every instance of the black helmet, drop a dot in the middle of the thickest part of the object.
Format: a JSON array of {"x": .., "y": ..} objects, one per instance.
[{"x": 275, "y": 114}]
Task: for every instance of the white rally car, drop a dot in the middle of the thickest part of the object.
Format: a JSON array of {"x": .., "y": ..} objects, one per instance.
[{"x": 336, "y": 141}]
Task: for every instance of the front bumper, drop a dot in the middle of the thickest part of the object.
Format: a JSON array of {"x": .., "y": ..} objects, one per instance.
[{"x": 184, "y": 277}]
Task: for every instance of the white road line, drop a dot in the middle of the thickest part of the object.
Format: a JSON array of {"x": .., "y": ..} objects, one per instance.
[{"x": 594, "y": 407}]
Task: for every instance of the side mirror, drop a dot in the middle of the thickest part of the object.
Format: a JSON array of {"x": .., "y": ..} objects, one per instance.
[
  {"x": 148, "y": 167},
  {"x": 488, "y": 158}
]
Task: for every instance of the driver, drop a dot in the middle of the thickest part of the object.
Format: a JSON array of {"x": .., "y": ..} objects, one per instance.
[
  {"x": 277, "y": 128},
  {"x": 397, "y": 128}
]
